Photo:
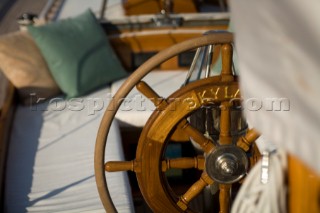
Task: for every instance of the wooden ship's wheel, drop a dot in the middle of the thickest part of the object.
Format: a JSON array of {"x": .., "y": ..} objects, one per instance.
[{"x": 224, "y": 161}]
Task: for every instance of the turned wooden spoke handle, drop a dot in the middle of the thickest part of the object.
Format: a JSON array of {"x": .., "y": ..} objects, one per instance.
[
  {"x": 183, "y": 163},
  {"x": 226, "y": 58},
  {"x": 148, "y": 92},
  {"x": 205, "y": 143},
  {"x": 246, "y": 141},
  {"x": 117, "y": 166},
  {"x": 224, "y": 198},
  {"x": 194, "y": 190}
]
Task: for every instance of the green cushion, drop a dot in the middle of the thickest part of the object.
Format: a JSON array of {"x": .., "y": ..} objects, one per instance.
[{"x": 78, "y": 54}]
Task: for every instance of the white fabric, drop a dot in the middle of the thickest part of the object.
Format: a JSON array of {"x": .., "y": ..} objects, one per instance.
[
  {"x": 50, "y": 163},
  {"x": 136, "y": 109},
  {"x": 278, "y": 49},
  {"x": 114, "y": 10},
  {"x": 70, "y": 8},
  {"x": 269, "y": 197}
]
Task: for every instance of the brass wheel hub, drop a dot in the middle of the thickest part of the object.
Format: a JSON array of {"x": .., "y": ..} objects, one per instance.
[{"x": 227, "y": 164}]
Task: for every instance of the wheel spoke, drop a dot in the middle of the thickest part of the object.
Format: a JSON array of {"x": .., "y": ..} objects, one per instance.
[
  {"x": 194, "y": 190},
  {"x": 224, "y": 137},
  {"x": 148, "y": 92},
  {"x": 117, "y": 166},
  {"x": 226, "y": 76},
  {"x": 205, "y": 143},
  {"x": 226, "y": 57},
  {"x": 183, "y": 163},
  {"x": 246, "y": 141},
  {"x": 224, "y": 198}
]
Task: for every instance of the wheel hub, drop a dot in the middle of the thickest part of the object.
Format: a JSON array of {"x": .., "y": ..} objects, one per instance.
[{"x": 227, "y": 164}]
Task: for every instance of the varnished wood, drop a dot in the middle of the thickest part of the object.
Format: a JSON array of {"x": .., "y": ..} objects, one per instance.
[
  {"x": 255, "y": 155},
  {"x": 128, "y": 44},
  {"x": 183, "y": 163},
  {"x": 205, "y": 143},
  {"x": 171, "y": 118},
  {"x": 184, "y": 6},
  {"x": 149, "y": 93},
  {"x": 224, "y": 198},
  {"x": 145, "y": 41},
  {"x": 179, "y": 163},
  {"x": 226, "y": 57},
  {"x": 117, "y": 166},
  {"x": 224, "y": 137},
  {"x": 246, "y": 141},
  {"x": 151, "y": 143},
  {"x": 138, "y": 7},
  {"x": 194, "y": 190},
  {"x": 153, "y": 140},
  {"x": 226, "y": 76},
  {"x": 180, "y": 136},
  {"x": 304, "y": 187},
  {"x": 154, "y": 194}
]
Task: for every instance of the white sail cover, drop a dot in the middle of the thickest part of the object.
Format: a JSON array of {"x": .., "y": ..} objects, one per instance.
[{"x": 278, "y": 46}]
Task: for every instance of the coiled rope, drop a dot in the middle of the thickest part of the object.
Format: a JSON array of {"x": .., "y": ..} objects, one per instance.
[{"x": 257, "y": 197}]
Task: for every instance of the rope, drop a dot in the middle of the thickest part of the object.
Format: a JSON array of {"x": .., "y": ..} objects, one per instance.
[{"x": 254, "y": 196}]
